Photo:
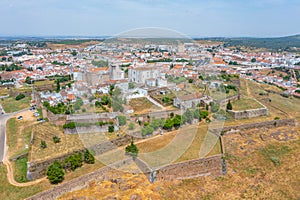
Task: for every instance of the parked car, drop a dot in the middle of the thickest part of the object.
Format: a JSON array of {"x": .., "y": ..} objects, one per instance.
[
  {"x": 20, "y": 117},
  {"x": 36, "y": 114},
  {"x": 39, "y": 119}
]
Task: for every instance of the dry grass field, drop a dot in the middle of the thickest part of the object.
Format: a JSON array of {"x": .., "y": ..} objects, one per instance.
[
  {"x": 192, "y": 151},
  {"x": 142, "y": 105},
  {"x": 46, "y": 131},
  {"x": 278, "y": 105},
  {"x": 55, "y": 46},
  {"x": 245, "y": 104},
  {"x": 260, "y": 166}
]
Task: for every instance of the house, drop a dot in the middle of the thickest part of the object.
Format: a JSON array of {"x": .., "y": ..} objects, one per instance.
[{"x": 188, "y": 101}]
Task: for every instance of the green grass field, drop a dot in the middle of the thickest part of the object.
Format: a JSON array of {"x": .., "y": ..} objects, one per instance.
[
  {"x": 10, "y": 192},
  {"x": 20, "y": 169},
  {"x": 11, "y": 105},
  {"x": 16, "y": 139}
]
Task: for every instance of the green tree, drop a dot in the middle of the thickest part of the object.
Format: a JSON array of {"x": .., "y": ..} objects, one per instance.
[
  {"x": 203, "y": 114},
  {"x": 132, "y": 149},
  {"x": 28, "y": 80},
  {"x": 20, "y": 96},
  {"x": 105, "y": 100},
  {"x": 214, "y": 107},
  {"x": 177, "y": 121},
  {"x": 229, "y": 105},
  {"x": 122, "y": 120},
  {"x": 111, "y": 129},
  {"x": 168, "y": 124},
  {"x": 88, "y": 157},
  {"x": 57, "y": 85},
  {"x": 70, "y": 125},
  {"x": 147, "y": 130},
  {"x": 189, "y": 116},
  {"x": 73, "y": 162},
  {"x": 156, "y": 123},
  {"x": 55, "y": 173},
  {"x": 253, "y": 60}
]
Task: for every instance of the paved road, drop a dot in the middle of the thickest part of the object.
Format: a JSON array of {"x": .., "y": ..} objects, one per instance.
[{"x": 3, "y": 119}]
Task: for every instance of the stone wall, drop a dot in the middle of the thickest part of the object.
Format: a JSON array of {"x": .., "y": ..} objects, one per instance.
[
  {"x": 251, "y": 113},
  {"x": 75, "y": 184},
  {"x": 88, "y": 129},
  {"x": 232, "y": 98},
  {"x": 244, "y": 114},
  {"x": 266, "y": 124},
  {"x": 38, "y": 169},
  {"x": 191, "y": 169}
]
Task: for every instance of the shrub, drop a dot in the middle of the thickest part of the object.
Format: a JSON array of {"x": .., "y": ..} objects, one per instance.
[
  {"x": 111, "y": 129},
  {"x": 147, "y": 130},
  {"x": 131, "y": 126},
  {"x": 56, "y": 139},
  {"x": 20, "y": 96},
  {"x": 55, "y": 173},
  {"x": 275, "y": 160},
  {"x": 168, "y": 124},
  {"x": 88, "y": 157},
  {"x": 73, "y": 162},
  {"x": 177, "y": 121},
  {"x": 70, "y": 125},
  {"x": 132, "y": 149},
  {"x": 229, "y": 106},
  {"x": 43, "y": 144},
  {"x": 122, "y": 120}
]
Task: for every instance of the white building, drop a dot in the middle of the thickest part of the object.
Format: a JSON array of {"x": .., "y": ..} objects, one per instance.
[{"x": 141, "y": 74}]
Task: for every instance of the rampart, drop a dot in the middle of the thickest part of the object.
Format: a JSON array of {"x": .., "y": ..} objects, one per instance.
[
  {"x": 38, "y": 169},
  {"x": 266, "y": 124},
  {"x": 189, "y": 169},
  {"x": 244, "y": 114}
]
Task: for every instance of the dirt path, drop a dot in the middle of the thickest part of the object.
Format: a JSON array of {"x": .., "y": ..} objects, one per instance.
[
  {"x": 248, "y": 89},
  {"x": 10, "y": 176}
]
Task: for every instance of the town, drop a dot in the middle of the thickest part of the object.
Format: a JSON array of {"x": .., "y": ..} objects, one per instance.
[{"x": 77, "y": 104}]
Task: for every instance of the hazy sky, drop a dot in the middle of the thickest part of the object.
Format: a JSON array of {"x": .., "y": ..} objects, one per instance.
[{"x": 110, "y": 17}]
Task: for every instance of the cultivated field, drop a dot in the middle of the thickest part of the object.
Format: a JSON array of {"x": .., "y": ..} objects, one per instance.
[{"x": 46, "y": 131}]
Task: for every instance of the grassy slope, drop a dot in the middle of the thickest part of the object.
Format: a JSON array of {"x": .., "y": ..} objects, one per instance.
[
  {"x": 11, "y": 105},
  {"x": 9, "y": 192}
]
